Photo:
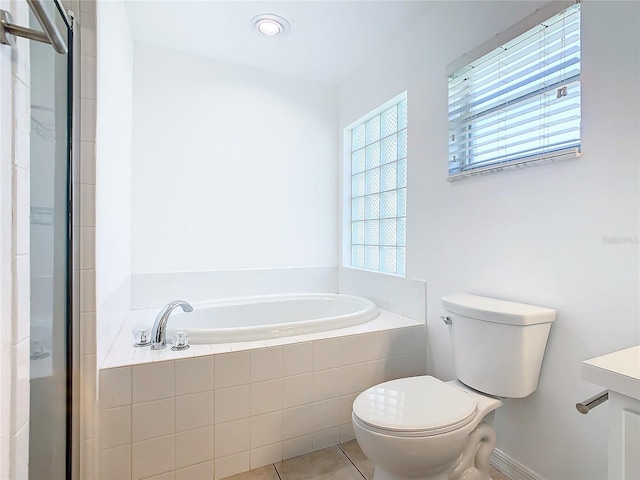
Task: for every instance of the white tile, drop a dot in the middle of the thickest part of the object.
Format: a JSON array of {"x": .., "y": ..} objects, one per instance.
[
  {"x": 196, "y": 350},
  {"x": 353, "y": 378},
  {"x": 153, "y": 381},
  {"x": 152, "y": 419},
  {"x": 345, "y": 408},
  {"x": 232, "y": 369},
  {"x": 297, "y": 390},
  {"x": 408, "y": 365},
  {"x": 88, "y": 125},
  {"x": 87, "y": 291},
  {"x": 19, "y": 453},
  {"x": 115, "y": 427},
  {"x": 266, "y": 429},
  {"x": 407, "y": 340},
  {"x": 346, "y": 433},
  {"x": 194, "y": 375},
  {"x": 326, "y": 384},
  {"x": 326, "y": 354},
  {"x": 376, "y": 372},
  {"x": 237, "y": 346},
  {"x": 353, "y": 349},
  {"x": 88, "y": 77},
  {"x": 87, "y": 206},
  {"x": 231, "y": 465},
  {"x": 200, "y": 471},
  {"x": 87, "y": 7},
  {"x": 266, "y": 396},
  {"x": 266, "y": 455},
  {"x": 377, "y": 345},
  {"x": 327, "y": 414},
  {"x": 232, "y": 437},
  {"x": 297, "y": 358},
  {"x": 87, "y": 248},
  {"x": 232, "y": 403},
  {"x": 219, "y": 348},
  {"x": 88, "y": 35},
  {"x": 20, "y": 391},
  {"x": 326, "y": 438},
  {"x": 88, "y": 333},
  {"x": 297, "y": 446},
  {"x": 152, "y": 457},
  {"x": 88, "y": 403},
  {"x": 22, "y": 322},
  {"x": 22, "y": 217},
  {"x": 115, "y": 463},
  {"x": 194, "y": 411},
  {"x": 88, "y": 163},
  {"x": 274, "y": 342},
  {"x": 297, "y": 421},
  {"x": 88, "y": 459},
  {"x": 266, "y": 364},
  {"x": 115, "y": 387},
  {"x": 194, "y": 446}
]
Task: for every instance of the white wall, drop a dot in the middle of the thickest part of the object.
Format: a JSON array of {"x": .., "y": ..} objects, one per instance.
[
  {"x": 234, "y": 168},
  {"x": 113, "y": 171},
  {"x": 533, "y": 235}
]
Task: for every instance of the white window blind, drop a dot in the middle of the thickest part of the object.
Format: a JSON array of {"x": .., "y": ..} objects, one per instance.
[{"x": 519, "y": 104}]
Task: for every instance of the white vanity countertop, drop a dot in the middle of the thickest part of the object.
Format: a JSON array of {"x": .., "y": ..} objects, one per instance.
[{"x": 618, "y": 371}]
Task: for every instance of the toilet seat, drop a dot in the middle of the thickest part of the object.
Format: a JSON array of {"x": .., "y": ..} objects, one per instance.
[{"x": 414, "y": 407}]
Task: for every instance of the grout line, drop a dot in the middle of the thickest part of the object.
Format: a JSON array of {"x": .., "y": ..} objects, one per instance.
[
  {"x": 354, "y": 465},
  {"x": 277, "y": 473}
]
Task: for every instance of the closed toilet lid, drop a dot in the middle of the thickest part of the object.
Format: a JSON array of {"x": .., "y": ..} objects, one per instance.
[{"x": 414, "y": 406}]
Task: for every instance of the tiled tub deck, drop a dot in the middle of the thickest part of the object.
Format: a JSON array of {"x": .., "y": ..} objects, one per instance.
[{"x": 226, "y": 409}]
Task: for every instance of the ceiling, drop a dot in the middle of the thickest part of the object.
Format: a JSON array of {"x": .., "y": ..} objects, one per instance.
[{"x": 328, "y": 39}]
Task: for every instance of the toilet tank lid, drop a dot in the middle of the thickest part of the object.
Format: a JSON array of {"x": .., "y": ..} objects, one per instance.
[{"x": 497, "y": 311}]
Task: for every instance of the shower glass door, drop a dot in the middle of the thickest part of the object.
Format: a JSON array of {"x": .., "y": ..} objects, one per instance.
[{"x": 49, "y": 432}]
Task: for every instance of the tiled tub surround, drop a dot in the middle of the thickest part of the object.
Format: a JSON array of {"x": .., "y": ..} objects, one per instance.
[{"x": 216, "y": 410}]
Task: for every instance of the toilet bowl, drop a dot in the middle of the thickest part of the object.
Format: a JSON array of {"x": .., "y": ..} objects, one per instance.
[{"x": 419, "y": 427}]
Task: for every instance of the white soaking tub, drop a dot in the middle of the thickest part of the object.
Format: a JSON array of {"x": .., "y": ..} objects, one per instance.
[{"x": 257, "y": 318}]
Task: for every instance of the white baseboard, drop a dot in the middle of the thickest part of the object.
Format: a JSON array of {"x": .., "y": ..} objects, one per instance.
[{"x": 512, "y": 468}]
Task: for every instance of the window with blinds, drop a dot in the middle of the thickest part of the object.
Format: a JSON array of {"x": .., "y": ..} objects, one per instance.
[
  {"x": 378, "y": 158},
  {"x": 520, "y": 104}
]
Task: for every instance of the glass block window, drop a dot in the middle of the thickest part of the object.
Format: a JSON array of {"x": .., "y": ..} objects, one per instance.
[{"x": 379, "y": 190}]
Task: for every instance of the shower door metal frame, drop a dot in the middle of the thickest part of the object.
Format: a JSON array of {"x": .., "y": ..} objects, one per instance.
[{"x": 71, "y": 417}]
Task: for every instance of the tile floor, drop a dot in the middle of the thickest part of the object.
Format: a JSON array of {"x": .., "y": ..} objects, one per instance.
[{"x": 342, "y": 462}]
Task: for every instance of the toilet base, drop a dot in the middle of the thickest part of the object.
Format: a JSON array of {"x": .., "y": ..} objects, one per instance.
[{"x": 472, "y": 465}]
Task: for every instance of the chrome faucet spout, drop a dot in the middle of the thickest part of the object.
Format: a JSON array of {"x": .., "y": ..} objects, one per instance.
[{"x": 159, "y": 332}]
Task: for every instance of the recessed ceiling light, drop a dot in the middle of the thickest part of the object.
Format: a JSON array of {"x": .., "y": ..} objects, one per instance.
[{"x": 270, "y": 25}]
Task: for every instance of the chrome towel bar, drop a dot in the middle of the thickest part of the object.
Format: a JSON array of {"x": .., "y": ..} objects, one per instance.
[
  {"x": 50, "y": 33},
  {"x": 593, "y": 402}
]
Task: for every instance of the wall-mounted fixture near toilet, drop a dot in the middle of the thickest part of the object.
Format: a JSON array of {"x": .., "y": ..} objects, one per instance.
[{"x": 421, "y": 428}]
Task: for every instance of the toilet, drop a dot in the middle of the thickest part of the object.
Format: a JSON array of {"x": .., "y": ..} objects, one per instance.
[{"x": 422, "y": 428}]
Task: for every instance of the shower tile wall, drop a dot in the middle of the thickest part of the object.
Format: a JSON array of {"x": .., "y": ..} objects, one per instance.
[
  {"x": 84, "y": 270},
  {"x": 218, "y": 415},
  {"x": 15, "y": 257}
]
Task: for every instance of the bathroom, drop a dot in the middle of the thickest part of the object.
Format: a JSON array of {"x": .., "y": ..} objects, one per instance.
[{"x": 212, "y": 166}]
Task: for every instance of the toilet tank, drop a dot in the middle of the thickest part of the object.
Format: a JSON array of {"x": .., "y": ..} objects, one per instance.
[{"x": 497, "y": 345}]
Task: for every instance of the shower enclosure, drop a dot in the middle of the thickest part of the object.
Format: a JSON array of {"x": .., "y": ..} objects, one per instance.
[{"x": 51, "y": 353}]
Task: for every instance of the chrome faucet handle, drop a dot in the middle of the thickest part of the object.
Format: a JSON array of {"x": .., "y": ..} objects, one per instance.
[
  {"x": 180, "y": 341},
  {"x": 143, "y": 338}
]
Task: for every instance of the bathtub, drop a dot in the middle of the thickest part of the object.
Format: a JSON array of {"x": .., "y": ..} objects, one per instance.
[{"x": 258, "y": 318}]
